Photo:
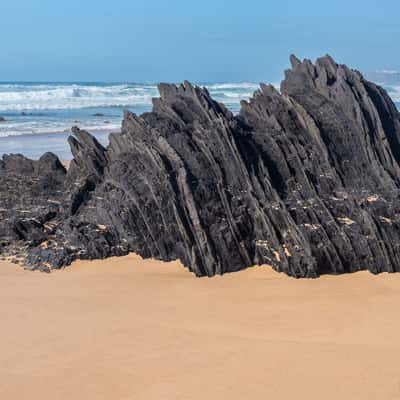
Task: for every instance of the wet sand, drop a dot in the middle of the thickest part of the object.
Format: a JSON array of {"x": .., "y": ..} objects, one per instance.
[
  {"x": 126, "y": 328},
  {"x": 35, "y": 145}
]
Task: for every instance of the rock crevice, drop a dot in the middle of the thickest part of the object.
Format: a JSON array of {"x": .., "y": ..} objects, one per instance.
[{"x": 305, "y": 179}]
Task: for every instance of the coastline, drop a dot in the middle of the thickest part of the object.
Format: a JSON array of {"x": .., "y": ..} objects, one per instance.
[
  {"x": 34, "y": 146},
  {"x": 127, "y": 328},
  {"x": 199, "y": 201}
]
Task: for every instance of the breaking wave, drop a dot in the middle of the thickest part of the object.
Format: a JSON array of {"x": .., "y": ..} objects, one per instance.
[
  {"x": 33, "y": 108},
  {"x": 34, "y": 97},
  {"x": 72, "y": 96}
]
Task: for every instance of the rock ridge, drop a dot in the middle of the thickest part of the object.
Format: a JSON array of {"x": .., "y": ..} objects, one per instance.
[{"x": 305, "y": 179}]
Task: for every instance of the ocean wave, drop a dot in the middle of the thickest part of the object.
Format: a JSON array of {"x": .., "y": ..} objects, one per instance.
[
  {"x": 32, "y": 97},
  {"x": 60, "y": 127},
  {"x": 66, "y": 97},
  {"x": 31, "y": 108},
  {"x": 394, "y": 92},
  {"x": 234, "y": 86}
]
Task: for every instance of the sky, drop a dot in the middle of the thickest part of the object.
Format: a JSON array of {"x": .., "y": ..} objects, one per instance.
[{"x": 203, "y": 41}]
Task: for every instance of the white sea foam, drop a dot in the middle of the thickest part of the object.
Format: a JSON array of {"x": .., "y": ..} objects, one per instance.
[
  {"x": 234, "y": 86},
  {"x": 42, "y": 108},
  {"x": 65, "y": 97},
  {"x": 389, "y": 72},
  {"x": 61, "y": 127},
  {"x": 394, "y": 92},
  {"x": 39, "y": 97}
]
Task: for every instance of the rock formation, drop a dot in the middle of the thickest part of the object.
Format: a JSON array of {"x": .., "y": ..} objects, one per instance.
[{"x": 306, "y": 180}]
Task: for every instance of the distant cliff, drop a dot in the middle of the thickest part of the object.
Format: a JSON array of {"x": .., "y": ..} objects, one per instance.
[{"x": 306, "y": 179}]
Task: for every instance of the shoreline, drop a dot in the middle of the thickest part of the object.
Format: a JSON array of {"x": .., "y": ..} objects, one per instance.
[
  {"x": 34, "y": 146},
  {"x": 67, "y": 131}
]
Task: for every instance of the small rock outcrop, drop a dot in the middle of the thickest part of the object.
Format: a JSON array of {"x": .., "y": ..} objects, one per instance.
[{"x": 305, "y": 179}]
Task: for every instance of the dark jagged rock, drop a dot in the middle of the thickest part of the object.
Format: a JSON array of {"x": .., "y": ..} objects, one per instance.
[
  {"x": 30, "y": 199},
  {"x": 306, "y": 179},
  {"x": 2, "y": 119}
]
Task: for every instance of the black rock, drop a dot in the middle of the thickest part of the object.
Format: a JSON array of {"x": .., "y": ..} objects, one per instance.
[
  {"x": 306, "y": 179},
  {"x": 98, "y": 115},
  {"x": 2, "y": 119}
]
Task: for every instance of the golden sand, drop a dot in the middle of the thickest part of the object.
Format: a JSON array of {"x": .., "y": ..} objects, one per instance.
[{"x": 126, "y": 329}]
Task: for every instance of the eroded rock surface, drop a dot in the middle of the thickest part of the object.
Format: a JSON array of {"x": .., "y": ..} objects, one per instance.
[{"x": 306, "y": 179}]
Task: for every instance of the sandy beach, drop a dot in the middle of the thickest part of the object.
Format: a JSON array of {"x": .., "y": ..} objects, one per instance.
[{"x": 132, "y": 329}]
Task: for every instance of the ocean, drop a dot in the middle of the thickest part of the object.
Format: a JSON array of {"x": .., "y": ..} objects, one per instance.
[{"x": 39, "y": 116}]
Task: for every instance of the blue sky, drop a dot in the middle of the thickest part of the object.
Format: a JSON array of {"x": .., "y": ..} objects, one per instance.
[{"x": 208, "y": 40}]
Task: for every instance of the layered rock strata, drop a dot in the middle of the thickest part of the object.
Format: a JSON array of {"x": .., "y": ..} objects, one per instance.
[{"x": 305, "y": 179}]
